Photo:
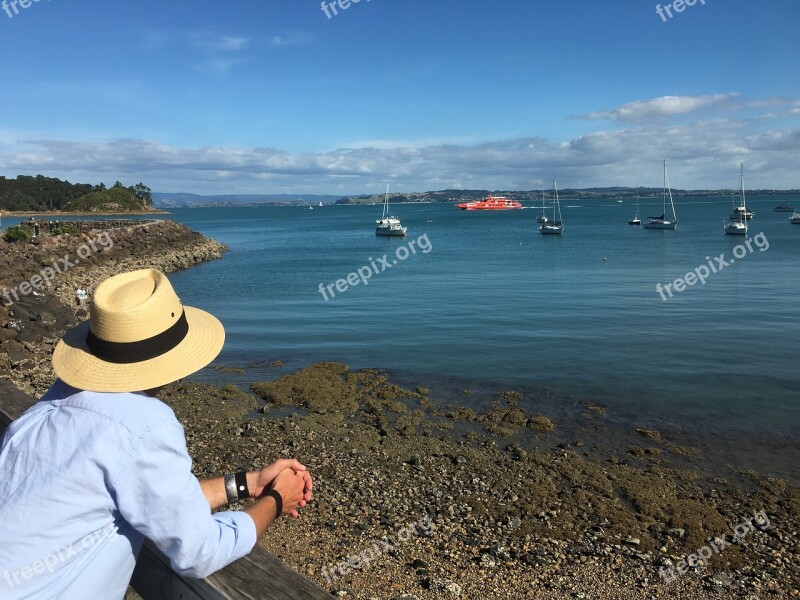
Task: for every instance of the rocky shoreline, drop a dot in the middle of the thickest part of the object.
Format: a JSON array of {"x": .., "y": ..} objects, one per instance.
[
  {"x": 50, "y": 214},
  {"x": 506, "y": 522},
  {"x": 38, "y": 279},
  {"x": 415, "y": 498}
]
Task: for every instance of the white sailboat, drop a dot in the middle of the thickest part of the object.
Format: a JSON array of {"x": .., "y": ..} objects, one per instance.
[
  {"x": 542, "y": 218},
  {"x": 556, "y": 226},
  {"x": 320, "y": 203},
  {"x": 795, "y": 219},
  {"x": 737, "y": 224},
  {"x": 662, "y": 222},
  {"x": 635, "y": 220},
  {"x": 741, "y": 211},
  {"x": 389, "y": 225}
]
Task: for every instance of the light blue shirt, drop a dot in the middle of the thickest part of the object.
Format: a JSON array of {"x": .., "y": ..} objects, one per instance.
[{"x": 84, "y": 477}]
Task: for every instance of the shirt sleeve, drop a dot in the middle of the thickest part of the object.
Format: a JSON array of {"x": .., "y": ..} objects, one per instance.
[{"x": 158, "y": 495}]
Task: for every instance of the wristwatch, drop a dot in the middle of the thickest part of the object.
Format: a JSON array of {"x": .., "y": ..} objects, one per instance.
[{"x": 236, "y": 486}]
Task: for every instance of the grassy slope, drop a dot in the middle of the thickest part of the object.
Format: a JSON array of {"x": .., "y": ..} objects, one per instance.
[{"x": 112, "y": 200}]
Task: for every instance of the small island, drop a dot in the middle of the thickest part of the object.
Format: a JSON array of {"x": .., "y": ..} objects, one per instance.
[{"x": 28, "y": 196}]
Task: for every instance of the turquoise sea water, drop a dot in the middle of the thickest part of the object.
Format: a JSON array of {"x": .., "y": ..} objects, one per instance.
[
  {"x": 495, "y": 301},
  {"x": 496, "y": 305}
]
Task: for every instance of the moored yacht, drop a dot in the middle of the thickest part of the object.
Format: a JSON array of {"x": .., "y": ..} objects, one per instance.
[
  {"x": 742, "y": 211},
  {"x": 556, "y": 226},
  {"x": 542, "y": 218},
  {"x": 662, "y": 222},
  {"x": 737, "y": 224},
  {"x": 389, "y": 225},
  {"x": 635, "y": 220}
]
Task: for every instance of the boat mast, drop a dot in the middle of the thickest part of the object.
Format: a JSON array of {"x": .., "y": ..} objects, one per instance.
[
  {"x": 385, "y": 202},
  {"x": 741, "y": 184},
  {"x": 557, "y": 203},
  {"x": 667, "y": 188}
]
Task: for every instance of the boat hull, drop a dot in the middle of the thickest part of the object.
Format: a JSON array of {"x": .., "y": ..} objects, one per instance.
[
  {"x": 490, "y": 207},
  {"x": 736, "y": 231},
  {"x": 491, "y": 203},
  {"x": 659, "y": 225},
  {"x": 550, "y": 230},
  {"x": 392, "y": 232}
]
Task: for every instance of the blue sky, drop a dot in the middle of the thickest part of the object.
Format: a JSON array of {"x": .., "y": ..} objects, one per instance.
[{"x": 275, "y": 97}]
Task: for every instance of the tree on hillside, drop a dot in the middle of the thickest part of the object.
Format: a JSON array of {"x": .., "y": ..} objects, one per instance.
[
  {"x": 48, "y": 193},
  {"x": 142, "y": 192}
]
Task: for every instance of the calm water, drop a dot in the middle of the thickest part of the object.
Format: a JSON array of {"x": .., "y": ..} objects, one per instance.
[
  {"x": 496, "y": 304},
  {"x": 494, "y": 301}
]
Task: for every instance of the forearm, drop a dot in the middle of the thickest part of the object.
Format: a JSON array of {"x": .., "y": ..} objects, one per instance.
[
  {"x": 214, "y": 490},
  {"x": 263, "y": 513}
]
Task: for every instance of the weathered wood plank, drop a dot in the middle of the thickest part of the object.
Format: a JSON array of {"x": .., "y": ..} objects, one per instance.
[
  {"x": 258, "y": 576},
  {"x": 262, "y": 575}
]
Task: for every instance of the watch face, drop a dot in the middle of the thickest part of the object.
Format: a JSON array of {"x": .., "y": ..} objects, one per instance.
[
  {"x": 241, "y": 486},
  {"x": 230, "y": 488}
]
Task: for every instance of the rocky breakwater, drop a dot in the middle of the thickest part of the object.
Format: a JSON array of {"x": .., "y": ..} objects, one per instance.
[{"x": 38, "y": 279}]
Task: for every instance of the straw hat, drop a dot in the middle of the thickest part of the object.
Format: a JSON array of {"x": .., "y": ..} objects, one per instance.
[{"x": 139, "y": 336}]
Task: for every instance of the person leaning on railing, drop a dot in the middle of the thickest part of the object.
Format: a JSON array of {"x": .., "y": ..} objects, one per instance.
[{"x": 99, "y": 463}]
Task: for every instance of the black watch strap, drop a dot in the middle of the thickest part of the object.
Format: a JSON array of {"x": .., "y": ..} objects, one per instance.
[
  {"x": 278, "y": 501},
  {"x": 241, "y": 485}
]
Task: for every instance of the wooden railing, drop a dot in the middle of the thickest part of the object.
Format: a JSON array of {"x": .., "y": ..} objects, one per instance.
[{"x": 258, "y": 576}]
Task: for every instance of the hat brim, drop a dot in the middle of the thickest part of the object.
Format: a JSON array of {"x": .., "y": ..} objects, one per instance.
[{"x": 76, "y": 366}]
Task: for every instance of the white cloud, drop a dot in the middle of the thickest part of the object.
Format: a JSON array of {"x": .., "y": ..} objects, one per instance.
[
  {"x": 702, "y": 154},
  {"x": 666, "y": 106},
  {"x": 219, "y": 43},
  {"x": 229, "y": 43},
  {"x": 295, "y": 38}
]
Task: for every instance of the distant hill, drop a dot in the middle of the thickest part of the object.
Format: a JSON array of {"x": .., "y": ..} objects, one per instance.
[
  {"x": 113, "y": 200},
  {"x": 39, "y": 193},
  {"x": 27, "y": 193},
  {"x": 533, "y": 195},
  {"x": 180, "y": 199}
]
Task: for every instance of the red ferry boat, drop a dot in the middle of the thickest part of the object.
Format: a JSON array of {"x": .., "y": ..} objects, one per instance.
[{"x": 491, "y": 203}]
